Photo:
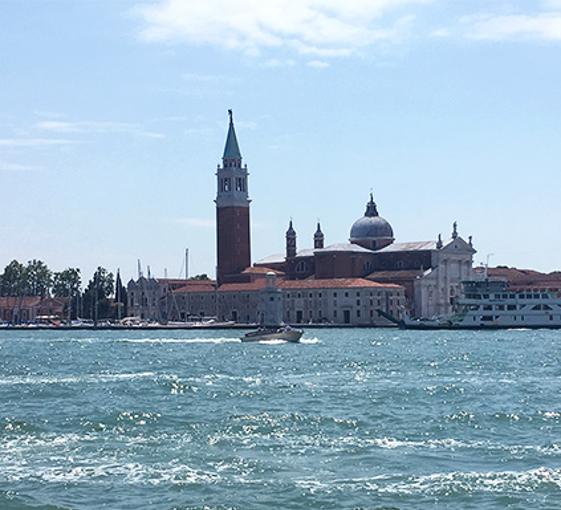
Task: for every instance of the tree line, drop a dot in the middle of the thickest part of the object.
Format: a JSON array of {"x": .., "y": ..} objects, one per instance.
[{"x": 104, "y": 296}]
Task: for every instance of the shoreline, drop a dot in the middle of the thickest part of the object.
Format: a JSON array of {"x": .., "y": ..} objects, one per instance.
[{"x": 163, "y": 327}]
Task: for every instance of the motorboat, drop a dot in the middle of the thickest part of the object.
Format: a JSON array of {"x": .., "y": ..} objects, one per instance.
[{"x": 264, "y": 334}]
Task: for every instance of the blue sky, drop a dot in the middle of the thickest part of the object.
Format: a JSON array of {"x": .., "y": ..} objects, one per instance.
[{"x": 114, "y": 117}]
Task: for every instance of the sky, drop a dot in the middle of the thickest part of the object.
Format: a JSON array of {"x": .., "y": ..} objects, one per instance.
[{"x": 113, "y": 118}]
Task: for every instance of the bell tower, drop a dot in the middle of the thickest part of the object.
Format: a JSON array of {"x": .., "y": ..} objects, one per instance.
[{"x": 232, "y": 212}]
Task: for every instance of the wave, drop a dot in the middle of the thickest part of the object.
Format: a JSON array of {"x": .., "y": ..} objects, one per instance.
[
  {"x": 444, "y": 484},
  {"x": 131, "y": 472},
  {"x": 9, "y": 501},
  {"x": 73, "y": 379}
]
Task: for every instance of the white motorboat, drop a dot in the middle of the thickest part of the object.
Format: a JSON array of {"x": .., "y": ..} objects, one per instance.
[{"x": 285, "y": 333}]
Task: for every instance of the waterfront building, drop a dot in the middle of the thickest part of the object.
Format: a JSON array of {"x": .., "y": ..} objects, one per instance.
[
  {"x": 353, "y": 301},
  {"x": 153, "y": 298},
  {"x": 17, "y": 310}
]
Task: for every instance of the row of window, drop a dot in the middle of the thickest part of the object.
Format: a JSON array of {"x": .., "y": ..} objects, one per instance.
[
  {"x": 508, "y": 307},
  {"x": 232, "y": 163},
  {"x": 299, "y": 316},
  {"x": 508, "y": 296},
  {"x": 371, "y": 302},
  {"x": 490, "y": 318},
  {"x": 299, "y": 295}
]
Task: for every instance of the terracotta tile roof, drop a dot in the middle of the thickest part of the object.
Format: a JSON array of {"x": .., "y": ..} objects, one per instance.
[
  {"x": 405, "y": 274},
  {"x": 524, "y": 277},
  {"x": 29, "y": 301},
  {"x": 261, "y": 270},
  {"x": 183, "y": 281},
  {"x": 327, "y": 283},
  {"x": 335, "y": 283},
  {"x": 13, "y": 301},
  {"x": 243, "y": 287},
  {"x": 197, "y": 287}
]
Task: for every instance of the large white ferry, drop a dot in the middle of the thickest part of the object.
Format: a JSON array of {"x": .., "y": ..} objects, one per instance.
[{"x": 488, "y": 304}]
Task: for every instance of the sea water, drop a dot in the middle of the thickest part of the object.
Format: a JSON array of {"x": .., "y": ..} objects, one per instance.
[{"x": 349, "y": 418}]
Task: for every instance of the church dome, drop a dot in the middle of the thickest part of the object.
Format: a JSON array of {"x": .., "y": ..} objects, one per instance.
[{"x": 371, "y": 231}]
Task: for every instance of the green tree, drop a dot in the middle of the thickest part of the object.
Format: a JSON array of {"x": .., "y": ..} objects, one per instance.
[
  {"x": 96, "y": 301},
  {"x": 199, "y": 277},
  {"x": 67, "y": 283},
  {"x": 120, "y": 298},
  {"x": 38, "y": 278},
  {"x": 12, "y": 282}
]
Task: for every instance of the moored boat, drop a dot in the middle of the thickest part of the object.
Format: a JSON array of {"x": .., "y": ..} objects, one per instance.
[{"x": 493, "y": 304}]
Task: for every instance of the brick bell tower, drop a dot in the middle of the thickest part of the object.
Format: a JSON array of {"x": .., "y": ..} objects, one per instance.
[{"x": 232, "y": 212}]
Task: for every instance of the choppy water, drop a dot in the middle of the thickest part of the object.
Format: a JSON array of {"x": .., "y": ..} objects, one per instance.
[{"x": 370, "y": 419}]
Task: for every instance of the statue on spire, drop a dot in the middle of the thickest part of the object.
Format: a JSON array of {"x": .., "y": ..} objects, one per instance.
[
  {"x": 455, "y": 230},
  {"x": 371, "y": 209}
]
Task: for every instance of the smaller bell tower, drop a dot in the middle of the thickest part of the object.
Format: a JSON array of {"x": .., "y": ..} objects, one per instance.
[
  {"x": 319, "y": 238},
  {"x": 290, "y": 242}
]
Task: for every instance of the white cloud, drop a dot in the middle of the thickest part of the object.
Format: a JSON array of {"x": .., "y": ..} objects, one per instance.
[
  {"x": 277, "y": 62},
  {"x": 35, "y": 142},
  {"x": 325, "y": 28},
  {"x": 207, "y": 79},
  {"x": 546, "y": 26},
  {"x": 58, "y": 126},
  {"x": 318, "y": 64},
  {"x": 15, "y": 167}
]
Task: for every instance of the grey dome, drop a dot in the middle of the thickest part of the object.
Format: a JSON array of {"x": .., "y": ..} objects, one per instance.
[
  {"x": 371, "y": 228},
  {"x": 371, "y": 231}
]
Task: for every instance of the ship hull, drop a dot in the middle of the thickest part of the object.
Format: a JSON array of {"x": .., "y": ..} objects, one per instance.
[{"x": 291, "y": 335}]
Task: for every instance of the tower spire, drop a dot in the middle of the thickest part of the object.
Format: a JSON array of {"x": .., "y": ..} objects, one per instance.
[{"x": 231, "y": 149}]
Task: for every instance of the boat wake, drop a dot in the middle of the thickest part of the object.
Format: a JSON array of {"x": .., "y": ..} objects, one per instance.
[
  {"x": 310, "y": 341},
  {"x": 179, "y": 340}
]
